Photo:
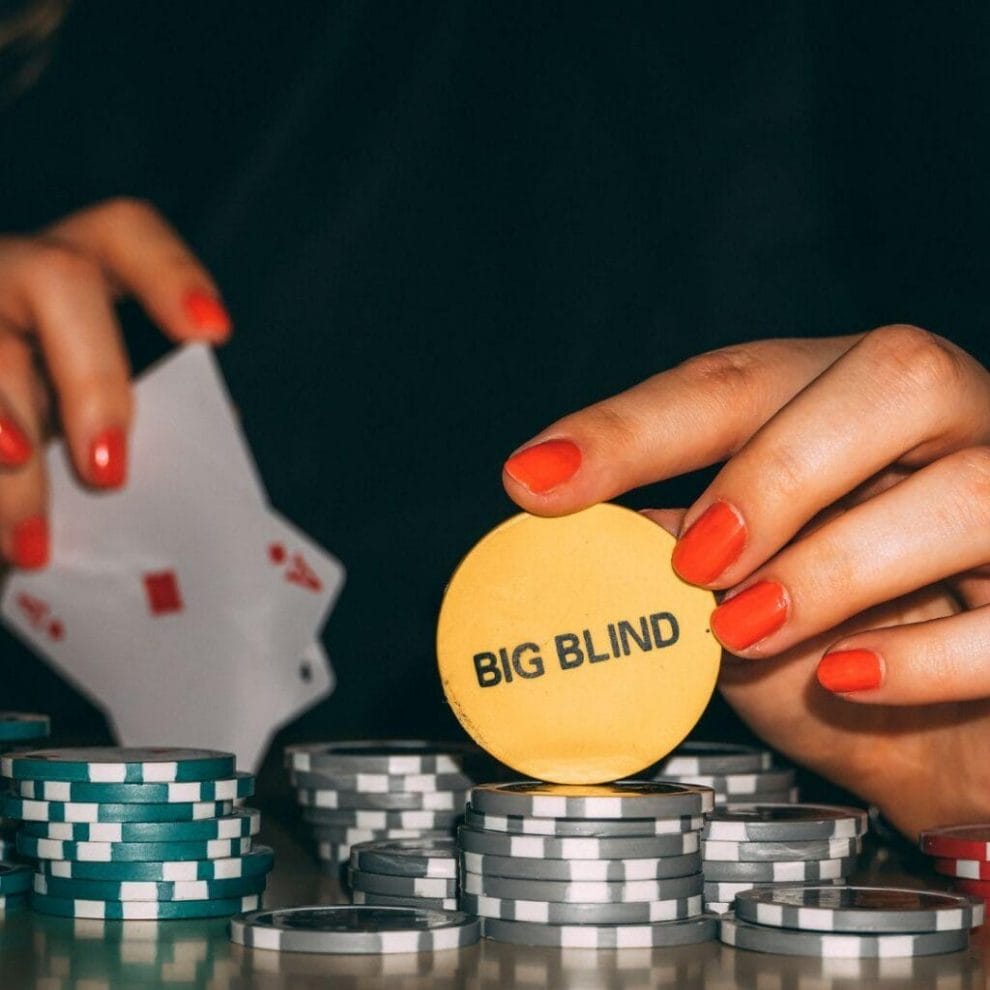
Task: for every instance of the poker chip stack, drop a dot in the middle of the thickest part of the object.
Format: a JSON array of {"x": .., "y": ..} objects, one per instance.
[
  {"x": 17, "y": 729},
  {"x": 737, "y": 774},
  {"x": 963, "y": 853},
  {"x": 121, "y": 833},
  {"x": 364, "y": 791},
  {"x": 607, "y": 866},
  {"x": 760, "y": 845},
  {"x": 405, "y": 873},
  {"x": 850, "y": 922}
]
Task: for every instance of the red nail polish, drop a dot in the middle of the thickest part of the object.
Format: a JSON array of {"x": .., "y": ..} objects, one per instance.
[
  {"x": 15, "y": 448},
  {"x": 29, "y": 543},
  {"x": 207, "y": 313},
  {"x": 714, "y": 540},
  {"x": 850, "y": 670},
  {"x": 108, "y": 459},
  {"x": 751, "y": 615},
  {"x": 544, "y": 466}
]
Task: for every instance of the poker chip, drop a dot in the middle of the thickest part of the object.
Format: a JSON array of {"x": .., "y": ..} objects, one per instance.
[
  {"x": 407, "y": 857},
  {"x": 62, "y": 811},
  {"x": 355, "y": 929},
  {"x": 784, "y": 871},
  {"x": 691, "y": 931},
  {"x": 19, "y": 726},
  {"x": 381, "y": 783},
  {"x": 425, "y": 821},
  {"x": 718, "y": 907},
  {"x": 623, "y": 799},
  {"x": 142, "y": 910},
  {"x": 596, "y": 828},
  {"x": 765, "y": 822},
  {"x": 355, "y": 802},
  {"x": 858, "y": 909},
  {"x": 581, "y": 892},
  {"x": 121, "y": 852},
  {"x": 970, "y": 869},
  {"x": 712, "y": 758},
  {"x": 10, "y": 901},
  {"x": 715, "y": 850},
  {"x": 118, "y": 765},
  {"x": 231, "y": 787},
  {"x": 557, "y": 913},
  {"x": 380, "y": 883},
  {"x": 734, "y": 784},
  {"x": 258, "y": 861},
  {"x": 716, "y": 891},
  {"x": 793, "y": 942},
  {"x": 136, "y": 890},
  {"x": 390, "y": 900},
  {"x": 545, "y": 847},
  {"x": 239, "y": 823},
  {"x": 957, "y": 842},
  {"x": 383, "y": 756},
  {"x": 14, "y": 879},
  {"x": 605, "y": 870},
  {"x": 976, "y": 888}
]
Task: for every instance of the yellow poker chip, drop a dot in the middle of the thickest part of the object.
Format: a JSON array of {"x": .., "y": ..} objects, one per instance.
[{"x": 570, "y": 650}]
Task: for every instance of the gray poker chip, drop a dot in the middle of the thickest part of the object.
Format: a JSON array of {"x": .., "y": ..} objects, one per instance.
[
  {"x": 572, "y": 870},
  {"x": 388, "y": 900},
  {"x": 726, "y": 890},
  {"x": 732, "y": 784},
  {"x": 790, "y": 795},
  {"x": 623, "y": 799},
  {"x": 718, "y": 907},
  {"x": 694, "y": 758},
  {"x": 764, "y": 822},
  {"x": 690, "y": 931},
  {"x": 355, "y": 929},
  {"x": 556, "y": 913},
  {"x": 581, "y": 891},
  {"x": 408, "y": 857},
  {"x": 791, "y": 942},
  {"x": 717, "y": 851},
  {"x": 381, "y": 783},
  {"x": 594, "y": 827},
  {"x": 388, "y": 756},
  {"x": 546, "y": 847},
  {"x": 784, "y": 871},
  {"x": 355, "y": 801},
  {"x": 380, "y": 883},
  {"x": 421, "y": 820},
  {"x": 859, "y": 909}
]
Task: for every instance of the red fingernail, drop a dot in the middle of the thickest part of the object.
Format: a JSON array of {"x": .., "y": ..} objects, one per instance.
[
  {"x": 714, "y": 540},
  {"x": 850, "y": 670},
  {"x": 544, "y": 466},
  {"x": 108, "y": 459},
  {"x": 207, "y": 313},
  {"x": 751, "y": 615},
  {"x": 15, "y": 448},
  {"x": 29, "y": 543}
]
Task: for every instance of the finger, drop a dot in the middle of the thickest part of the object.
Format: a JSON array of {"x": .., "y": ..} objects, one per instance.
[
  {"x": 23, "y": 520},
  {"x": 926, "y": 663},
  {"x": 692, "y": 416},
  {"x": 63, "y": 297},
  {"x": 898, "y": 394},
  {"x": 140, "y": 249},
  {"x": 668, "y": 519},
  {"x": 929, "y": 527}
]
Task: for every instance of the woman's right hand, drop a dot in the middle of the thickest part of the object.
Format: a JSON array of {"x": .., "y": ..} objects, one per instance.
[{"x": 60, "y": 340}]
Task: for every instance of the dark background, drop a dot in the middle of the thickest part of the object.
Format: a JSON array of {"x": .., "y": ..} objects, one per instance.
[{"x": 441, "y": 226}]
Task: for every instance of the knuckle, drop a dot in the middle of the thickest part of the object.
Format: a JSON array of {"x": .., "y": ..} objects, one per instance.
[
  {"x": 125, "y": 211},
  {"x": 53, "y": 264},
  {"x": 729, "y": 368},
  {"x": 920, "y": 359},
  {"x": 611, "y": 423}
]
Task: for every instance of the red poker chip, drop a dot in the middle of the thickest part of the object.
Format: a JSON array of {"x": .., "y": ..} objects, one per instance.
[
  {"x": 977, "y": 888},
  {"x": 968, "y": 869},
  {"x": 957, "y": 841}
]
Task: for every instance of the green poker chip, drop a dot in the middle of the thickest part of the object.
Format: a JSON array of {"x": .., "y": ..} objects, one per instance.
[
  {"x": 18, "y": 726},
  {"x": 14, "y": 879},
  {"x": 148, "y": 890},
  {"x": 118, "y": 764},
  {"x": 10, "y": 901},
  {"x": 225, "y": 788},
  {"x": 125, "y": 852},
  {"x": 142, "y": 910},
  {"x": 259, "y": 860},
  {"x": 238, "y": 824},
  {"x": 29, "y": 810}
]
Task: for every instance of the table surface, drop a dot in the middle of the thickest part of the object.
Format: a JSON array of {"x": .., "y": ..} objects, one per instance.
[{"x": 41, "y": 953}]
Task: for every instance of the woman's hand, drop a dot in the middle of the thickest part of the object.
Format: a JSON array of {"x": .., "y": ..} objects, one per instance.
[
  {"x": 850, "y": 531},
  {"x": 59, "y": 335}
]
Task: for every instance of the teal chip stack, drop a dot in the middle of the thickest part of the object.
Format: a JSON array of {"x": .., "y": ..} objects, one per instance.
[
  {"x": 136, "y": 834},
  {"x": 17, "y": 730}
]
